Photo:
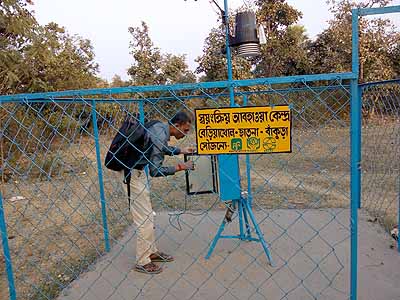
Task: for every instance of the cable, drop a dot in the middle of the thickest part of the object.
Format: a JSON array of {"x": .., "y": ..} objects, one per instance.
[{"x": 177, "y": 215}]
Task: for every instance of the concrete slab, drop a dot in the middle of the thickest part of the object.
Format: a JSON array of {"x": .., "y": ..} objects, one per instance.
[{"x": 310, "y": 249}]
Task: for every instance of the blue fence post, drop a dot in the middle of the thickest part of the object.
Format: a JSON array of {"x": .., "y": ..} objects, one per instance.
[
  {"x": 100, "y": 176},
  {"x": 248, "y": 174},
  {"x": 359, "y": 95},
  {"x": 228, "y": 54},
  {"x": 141, "y": 112},
  {"x": 6, "y": 251},
  {"x": 141, "y": 120},
  {"x": 248, "y": 167},
  {"x": 355, "y": 150}
]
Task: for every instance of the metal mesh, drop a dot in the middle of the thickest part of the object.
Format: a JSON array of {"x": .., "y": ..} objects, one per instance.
[
  {"x": 381, "y": 151},
  {"x": 56, "y": 226}
]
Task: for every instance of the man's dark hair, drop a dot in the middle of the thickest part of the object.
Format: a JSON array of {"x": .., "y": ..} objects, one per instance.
[{"x": 181, "y": 118}]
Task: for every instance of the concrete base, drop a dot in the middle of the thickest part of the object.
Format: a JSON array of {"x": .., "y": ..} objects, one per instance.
[{"x": 310, "y": 249}]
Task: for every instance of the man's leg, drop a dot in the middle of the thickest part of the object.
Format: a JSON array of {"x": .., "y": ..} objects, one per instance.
[{"x": 143, "y": 217}]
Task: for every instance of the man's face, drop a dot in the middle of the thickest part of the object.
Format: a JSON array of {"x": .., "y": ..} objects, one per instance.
[{"x": 182, "y": 130}]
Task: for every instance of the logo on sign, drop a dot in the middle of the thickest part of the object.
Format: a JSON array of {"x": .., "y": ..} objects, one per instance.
[
  {"x": 269, "y": 144},
  {"x": 253, "y": 143},
  {"x": 236, "y": 144}
]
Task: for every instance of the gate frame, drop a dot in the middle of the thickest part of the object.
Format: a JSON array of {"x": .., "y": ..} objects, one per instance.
[
  {"x": 355, "y": 138},
  {"x": 362, "y": 87},
  {"x": 355, "y": 133}
]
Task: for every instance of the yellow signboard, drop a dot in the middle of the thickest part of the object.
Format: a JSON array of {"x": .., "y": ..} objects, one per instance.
[{"x": 241, "y": 130}]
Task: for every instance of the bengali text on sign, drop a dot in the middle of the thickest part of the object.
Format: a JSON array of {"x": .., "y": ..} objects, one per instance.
[{"x": 242, "y": 130}]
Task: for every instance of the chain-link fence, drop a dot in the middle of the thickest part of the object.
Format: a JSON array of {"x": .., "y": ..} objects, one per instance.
[
  {"x": 70, "y": 230},
  {"x": 381, "y": 152},
  {"x": 67, "y": 231}
]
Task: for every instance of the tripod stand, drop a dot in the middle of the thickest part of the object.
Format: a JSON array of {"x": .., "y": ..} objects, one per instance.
[{"x": 245, "y": 212}]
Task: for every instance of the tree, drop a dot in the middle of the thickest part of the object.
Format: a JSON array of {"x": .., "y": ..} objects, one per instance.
[
  {"x": 17, "y": 27},
  {"x": 213, "y": 63},
  {"x": 36, "y": 58},
  {"x": 175, "y": 70},
  {"x": 56, "y": 60},
  {"x": 117, "y": 81},
  {"x": 331, "y": 51},
  {"x": 150, "y": 66},
  {"x": 147, "y": 58},
  {"x": 395, "y": 55},
  {"x": 284, "y": 53}
]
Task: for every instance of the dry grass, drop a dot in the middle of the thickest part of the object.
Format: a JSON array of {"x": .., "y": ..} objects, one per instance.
[
  {"x": 56, "y": 232},
  {"x": 381, "y": 170},
  {"x": 57, "y": 229}
]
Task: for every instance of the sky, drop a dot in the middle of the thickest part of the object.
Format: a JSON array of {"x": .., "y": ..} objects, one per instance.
[{"x": 175, "y": 26}]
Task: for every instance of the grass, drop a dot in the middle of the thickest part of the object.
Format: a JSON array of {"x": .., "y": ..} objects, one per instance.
[
  {"x": 57, "y": 230},
  {"x": 61, "y": 276},
  {"x": 381, "y": 171}
]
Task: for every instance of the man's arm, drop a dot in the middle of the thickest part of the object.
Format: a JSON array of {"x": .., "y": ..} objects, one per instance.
[{"x": 159, "y": 139}]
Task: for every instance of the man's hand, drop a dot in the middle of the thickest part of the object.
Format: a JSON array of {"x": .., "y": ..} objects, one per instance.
[
  {"x": 188, "y": 150},
  {"x": 189, "y": 165}
]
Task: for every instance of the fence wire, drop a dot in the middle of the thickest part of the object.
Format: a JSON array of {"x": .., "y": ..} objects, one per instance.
[
  {"x": 381, "y": 151},
  {"x": 56, "y": 229}
]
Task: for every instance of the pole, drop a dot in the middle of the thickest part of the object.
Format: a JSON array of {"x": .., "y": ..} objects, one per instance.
[
  {"x": 100, "y": 177},
  {"x": 355, "y": 180},
  {"x": 6, "y": 251},
  {"x": 228, "y": 54}
]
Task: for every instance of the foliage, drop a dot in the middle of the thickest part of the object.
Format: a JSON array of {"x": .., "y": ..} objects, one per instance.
[
  {"x": 213, "y": 62},
  {"x": 289, "y": 51},
  {"x": 16, "y": 31},
  {"x": 37, "y": 58},
  {"x": 150, "y": 66},
  {"x": 117, "y": 81},
  {"x": 284, "y": 53},
  {"x": 58, "y": 61},
  {"x": 379, "y": 44}
]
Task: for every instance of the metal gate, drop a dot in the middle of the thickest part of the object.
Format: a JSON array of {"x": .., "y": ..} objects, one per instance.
[{"x": 65, "y": 224}]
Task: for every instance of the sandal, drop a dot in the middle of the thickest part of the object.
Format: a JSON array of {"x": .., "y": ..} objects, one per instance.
[
  {"x": 161, "y": 257},
  {"x": 149, "y": 268}
]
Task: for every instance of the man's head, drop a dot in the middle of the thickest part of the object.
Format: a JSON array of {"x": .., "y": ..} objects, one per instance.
[{"x": 180, "y": 125}]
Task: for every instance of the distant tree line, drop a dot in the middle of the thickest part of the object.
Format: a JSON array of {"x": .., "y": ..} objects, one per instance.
[
  {"x": 38, "y": 58},
  {"x": 43, "y": 58},
  {"x": 289, "y": 51}
]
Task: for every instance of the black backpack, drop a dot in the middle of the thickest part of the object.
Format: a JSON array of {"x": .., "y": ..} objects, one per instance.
[{"x": 129, "y": 145}]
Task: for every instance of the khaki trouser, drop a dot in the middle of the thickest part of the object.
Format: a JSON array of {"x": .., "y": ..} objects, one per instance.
[{"x": 143, "y": 217}]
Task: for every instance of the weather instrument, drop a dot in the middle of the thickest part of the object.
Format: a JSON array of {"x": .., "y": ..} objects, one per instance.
[
  {"x": 247, "y": 38},
  {"x": 232, "y": 131}
]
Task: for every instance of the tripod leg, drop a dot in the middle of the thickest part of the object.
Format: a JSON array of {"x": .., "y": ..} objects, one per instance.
[
  {"x": 216, "y": 238},
  {"x": 240, "y": 215},
  {"x": 246, "y": 222},
  {"x": 259, "y": 233}
]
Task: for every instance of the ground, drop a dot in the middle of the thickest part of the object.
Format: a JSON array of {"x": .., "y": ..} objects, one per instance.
[
  {"x": 240, "y": 270},
  {"x": 56, "y": 230}
]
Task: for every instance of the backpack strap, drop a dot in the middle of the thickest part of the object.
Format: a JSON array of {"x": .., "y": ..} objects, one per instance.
[{"x": 127, "y": 181}]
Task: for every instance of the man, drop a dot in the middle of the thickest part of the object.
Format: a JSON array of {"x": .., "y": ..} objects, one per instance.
[{"x": 142, "y": 211}]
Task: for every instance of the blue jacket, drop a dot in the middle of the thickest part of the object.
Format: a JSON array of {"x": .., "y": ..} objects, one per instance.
[{"x": 159, "y": 136}]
